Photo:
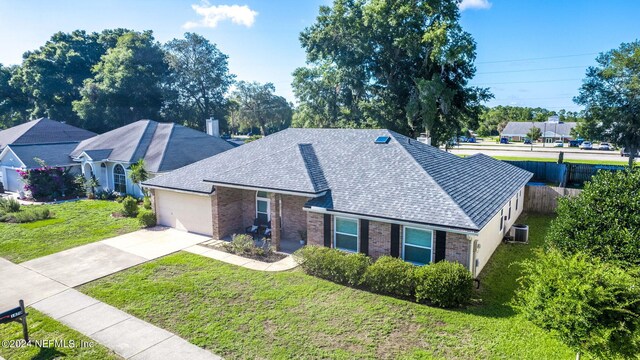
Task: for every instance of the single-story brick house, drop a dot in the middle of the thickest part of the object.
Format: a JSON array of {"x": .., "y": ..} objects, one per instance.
[{"x": 370, "y": 191}]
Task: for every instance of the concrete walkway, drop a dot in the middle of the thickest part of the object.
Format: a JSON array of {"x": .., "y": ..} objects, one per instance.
[
  {"x": 287, "y": 263},
  {"x": 126, "y": 335},
  {"x": 45, "y": 284}
]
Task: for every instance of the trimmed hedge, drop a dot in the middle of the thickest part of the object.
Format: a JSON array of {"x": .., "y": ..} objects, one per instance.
[
  {"x": 392, "y": 276},
  {"x": 147, "y": 218},
  {"x": 9, "y": 205},
  {"x": 444, "y": 284},
  {"x": 334, "y": 265}
]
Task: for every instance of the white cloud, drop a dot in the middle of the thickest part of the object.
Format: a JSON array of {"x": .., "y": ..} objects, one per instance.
[
  {"x": 213, "y": 14},
  {"x": 474, "y": 4}
]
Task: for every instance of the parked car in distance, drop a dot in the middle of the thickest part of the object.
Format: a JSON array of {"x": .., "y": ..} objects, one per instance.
[
  {"x": 604, "y": 146},
  {"x": 574, "y": 143},
  {"x": 504, "y": 140},
  {"x": 527, "y": 141},
  {"x": 472, "y": 140},
  {"x": 558, "y": 143},
  {"x": 625, "y": 152},
  {"x": 586, "y": 145}
]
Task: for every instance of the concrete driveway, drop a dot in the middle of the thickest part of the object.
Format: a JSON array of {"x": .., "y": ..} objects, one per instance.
[{"x": 86, "y": 263}]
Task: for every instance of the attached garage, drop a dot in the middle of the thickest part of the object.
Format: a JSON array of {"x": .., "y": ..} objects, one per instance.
[
  {"x": 184, "y": 211},
  {"x": 11, "y": 179}
]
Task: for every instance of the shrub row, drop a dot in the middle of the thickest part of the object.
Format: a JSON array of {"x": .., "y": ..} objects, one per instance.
[{"x": 443, "y": 284}]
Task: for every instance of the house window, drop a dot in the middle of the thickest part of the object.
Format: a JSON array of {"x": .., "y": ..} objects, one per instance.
[
  {"x": 418, "y": 246},
  {"x": 263, "y": 210},
  {"x": 501, "y": 219},
  {"x": 509, "y": 216},
  {"x": 119, "y": 179},
  {"x": 517, "y": 198},
  {"x": 345, "y": 234}
]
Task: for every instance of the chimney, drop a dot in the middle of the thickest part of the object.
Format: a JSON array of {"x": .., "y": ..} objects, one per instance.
[{"x": 213, "y": 127}]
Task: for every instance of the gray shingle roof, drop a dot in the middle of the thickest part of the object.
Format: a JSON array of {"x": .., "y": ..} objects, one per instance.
[
  {"x": 42, "y": 131},
  {"x": 51, "y": 154},
  {"x": 516, "y": 128},
  {"x": 403, "y": 180},
  {"x": 163, "y": 146}
]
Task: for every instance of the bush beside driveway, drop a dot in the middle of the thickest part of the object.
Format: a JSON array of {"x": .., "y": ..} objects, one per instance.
[
  {"x": 240, "y": 313},
  {"x": 71, "y": 224}
]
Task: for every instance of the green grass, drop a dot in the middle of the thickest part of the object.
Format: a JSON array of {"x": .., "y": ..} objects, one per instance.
[
  {"x": 72, "y": 224},
  {"x": 240, "y": 313},
  {"x": 47, "y": 331}
]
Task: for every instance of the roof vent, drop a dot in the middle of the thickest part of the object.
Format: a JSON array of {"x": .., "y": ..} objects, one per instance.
[{"x": 383, "y": 139}]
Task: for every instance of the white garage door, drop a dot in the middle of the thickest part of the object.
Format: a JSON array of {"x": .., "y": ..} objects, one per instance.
[
  {"x": 182, "y": 211},
  {"x": 13, "y": 181}
]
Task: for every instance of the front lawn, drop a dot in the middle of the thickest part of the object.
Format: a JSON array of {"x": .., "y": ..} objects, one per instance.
[
  {"x": 71, "y": 224},
  {"x": 239, "y": 313},
  {"x": 51, "y": 340}
]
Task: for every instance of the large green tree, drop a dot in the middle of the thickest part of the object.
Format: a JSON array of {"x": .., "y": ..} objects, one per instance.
[
  {"x": 199, "y": 81},
  {"x": 52, "y": 75},
  {"x": 127, "y": 84},
  {"x": 590, "y": 305},
  {"x": 403, "y": 65},
  {"x": 256, "y": 106},
  {"x": 13, "y": 102},
  {"x": 610, "y": 93}
]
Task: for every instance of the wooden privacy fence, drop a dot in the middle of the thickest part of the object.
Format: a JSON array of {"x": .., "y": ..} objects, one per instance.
[{"x": 544, "y": 199}]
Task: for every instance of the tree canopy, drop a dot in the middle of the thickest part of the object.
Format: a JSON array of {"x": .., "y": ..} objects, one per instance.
[
  {"x": 127, "y": 84},
  {"x": 256, "y": 106},
  {"x": 199, "y": 80},
  {"x": 51, "y": 76},
  {"x": 393, "y": 64},
  {"x": 610, "y": 93},
  {"x": 100, "y": 81}
]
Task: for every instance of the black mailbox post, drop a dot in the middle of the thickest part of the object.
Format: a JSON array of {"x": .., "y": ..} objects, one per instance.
[{"x": 19, "y": 315}]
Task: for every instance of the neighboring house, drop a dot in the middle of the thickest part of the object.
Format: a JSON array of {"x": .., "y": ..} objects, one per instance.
[
  {"x": 370, "y": 191},
  {"x": 550, "y": 130},
  {"x": 45, "y": 139},
  {"x": 163, "y": 146}
]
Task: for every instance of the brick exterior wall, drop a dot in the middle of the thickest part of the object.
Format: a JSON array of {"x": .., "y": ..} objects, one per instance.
[
  {"x": 226, "y": 212},
  {"x": 379, "y": 239},
  {"x": 315, "y": 229},
  {"x": 294, "y": 219},
  {"x": 457, "y": 249}
]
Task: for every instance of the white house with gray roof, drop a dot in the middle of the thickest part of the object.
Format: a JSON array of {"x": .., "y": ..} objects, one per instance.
[
  {"x": 44, "y": 139},
  {"x": 370, "y": 191},
  {"x": 550, "y": 130},
  {"x": 162, "y": 146}
]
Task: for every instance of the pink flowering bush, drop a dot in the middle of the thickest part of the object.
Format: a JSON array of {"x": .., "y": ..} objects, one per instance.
[{"x": 47, "y": 183}]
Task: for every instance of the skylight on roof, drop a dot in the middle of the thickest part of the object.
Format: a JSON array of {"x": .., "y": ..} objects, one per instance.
[{"x": 382, "y": 139}]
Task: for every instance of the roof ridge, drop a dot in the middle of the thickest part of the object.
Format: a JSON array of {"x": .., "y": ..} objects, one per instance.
[
  {"x": 144, "y": 141},
  {"x": 166, "y": 146},
  {"x": 310, "y": 159},
  {"x": 413, "y": 159}
]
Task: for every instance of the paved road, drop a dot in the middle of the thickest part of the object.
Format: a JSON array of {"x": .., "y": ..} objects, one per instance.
[{"x": 46, "y": 284}]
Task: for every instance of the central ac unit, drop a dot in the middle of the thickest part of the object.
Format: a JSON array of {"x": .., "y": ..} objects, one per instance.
[{"x": 520, "y": 233}]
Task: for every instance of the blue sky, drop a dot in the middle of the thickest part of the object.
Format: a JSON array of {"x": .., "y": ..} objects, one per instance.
[{"x": 530, "y": 52}]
